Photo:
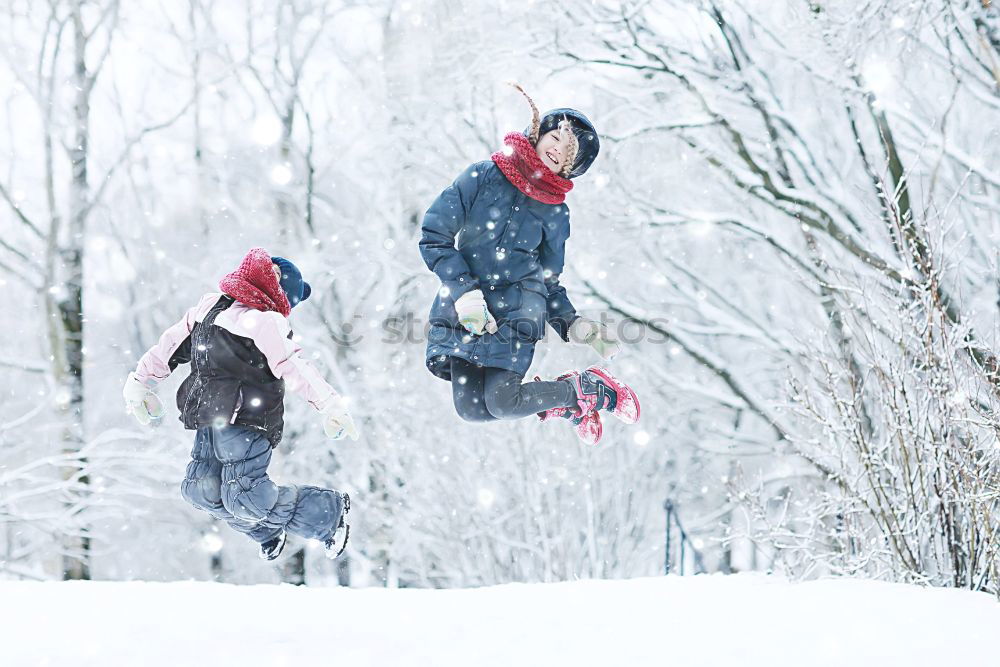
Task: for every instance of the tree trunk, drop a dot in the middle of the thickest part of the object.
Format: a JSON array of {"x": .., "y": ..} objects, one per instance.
[
  {"x": 76, "y": 561},
  {"x": 293, "y": 570}
]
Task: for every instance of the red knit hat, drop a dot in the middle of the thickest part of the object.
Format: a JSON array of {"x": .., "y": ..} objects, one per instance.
[{"x": 254, "y": 284}]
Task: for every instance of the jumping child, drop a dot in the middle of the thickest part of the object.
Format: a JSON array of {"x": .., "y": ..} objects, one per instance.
[
  {"x": 239, "y": 344},
  {"x": 496, "y": 238}
]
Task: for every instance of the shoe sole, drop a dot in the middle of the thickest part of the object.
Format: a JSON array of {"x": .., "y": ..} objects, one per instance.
[
  {"x": 347, "y": 530},
  {"x": 591, "y": 439},
  {"x": 281, "y": 547},
  {"x": 606, "y": 374},
  {"x": 334, "y": 555}
]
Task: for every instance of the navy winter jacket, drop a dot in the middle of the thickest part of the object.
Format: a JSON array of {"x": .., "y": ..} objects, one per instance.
[{"x": 483, "y": 233}]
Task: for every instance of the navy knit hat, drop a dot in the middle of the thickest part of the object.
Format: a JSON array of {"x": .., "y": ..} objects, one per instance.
[
  {"x": 585, "y": 133},
  {"x": 291, "y": 281}
]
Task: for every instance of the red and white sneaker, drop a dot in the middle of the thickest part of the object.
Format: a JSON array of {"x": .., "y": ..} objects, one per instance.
[
  {"x": 597, "y": 389},
  {"x": 625, "y": 404},
  {"x": 587, "y": 426}
]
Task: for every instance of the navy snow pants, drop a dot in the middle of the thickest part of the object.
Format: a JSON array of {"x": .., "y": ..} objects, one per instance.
[
  {"x": 483, "y": 394},
  {"x": 227, "y": 477}
]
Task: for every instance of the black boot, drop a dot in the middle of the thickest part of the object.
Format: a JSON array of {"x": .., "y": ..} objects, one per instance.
[
  {"x": 272, "y": 548},
  {"x": 338, "y": 541}
]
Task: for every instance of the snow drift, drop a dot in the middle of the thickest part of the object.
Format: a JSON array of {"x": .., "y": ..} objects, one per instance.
[{"x": 683, "y": 621}]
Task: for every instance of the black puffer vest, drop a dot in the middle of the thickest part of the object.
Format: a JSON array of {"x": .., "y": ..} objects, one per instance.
[{"x": 230, "y": 382}]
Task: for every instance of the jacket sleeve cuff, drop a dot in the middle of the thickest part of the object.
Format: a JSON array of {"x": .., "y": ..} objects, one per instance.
[
  {"x": 562, "y": 326},
  {"x": 460, "y": 286}
]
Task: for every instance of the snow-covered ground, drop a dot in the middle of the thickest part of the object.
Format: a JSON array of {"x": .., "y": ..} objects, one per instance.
[{"x": 744, "y": 620}]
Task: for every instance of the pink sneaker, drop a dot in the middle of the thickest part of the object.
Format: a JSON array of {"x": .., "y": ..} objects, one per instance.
[
  {"x": 587, "y": 426},
  {"x": 597, "y": 389}
]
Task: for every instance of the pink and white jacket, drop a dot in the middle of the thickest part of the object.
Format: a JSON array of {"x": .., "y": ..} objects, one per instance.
[{"x": 242, "y": 360}]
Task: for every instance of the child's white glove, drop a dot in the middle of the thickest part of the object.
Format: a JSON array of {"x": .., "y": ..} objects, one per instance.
[
  {"x": 141, "y": 402},
  {"x": 473, "y": 313},
  {"x": 337, "y": 421},
  {"x": 594, "y": 334}
]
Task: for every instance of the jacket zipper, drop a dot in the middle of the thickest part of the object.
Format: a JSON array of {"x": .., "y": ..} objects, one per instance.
[{"x": 239, "y": 404}]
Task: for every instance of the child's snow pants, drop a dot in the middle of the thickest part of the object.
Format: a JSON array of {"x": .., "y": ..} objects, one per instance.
[
  {"x": 227, "y": 477},
  {"x": 484, "y": 394}
]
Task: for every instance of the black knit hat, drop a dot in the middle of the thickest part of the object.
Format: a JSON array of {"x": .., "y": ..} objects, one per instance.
[
  {"x": 585, "y": 134},
  {"x": 291, "y": 281}
]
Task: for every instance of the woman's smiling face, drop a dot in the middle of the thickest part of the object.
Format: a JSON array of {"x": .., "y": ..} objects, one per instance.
[{"x": 551, "y": 150}]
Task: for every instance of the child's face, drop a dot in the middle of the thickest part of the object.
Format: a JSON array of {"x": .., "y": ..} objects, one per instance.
[
  {"x": 277, "y": 272},
  {"x": 552, "y": 150}
]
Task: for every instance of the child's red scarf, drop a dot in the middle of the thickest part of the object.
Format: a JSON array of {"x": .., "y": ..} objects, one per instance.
[
  {"x": 255, "y": 284},
  {"x": 526, "y": 171}
]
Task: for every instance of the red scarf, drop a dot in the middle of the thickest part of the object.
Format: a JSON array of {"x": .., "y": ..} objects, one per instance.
[
  {"x": 526, "y": 171},
  {"x": 255, "y": 284}
]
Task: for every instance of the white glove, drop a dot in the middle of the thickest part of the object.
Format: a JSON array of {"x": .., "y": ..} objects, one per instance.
[
  {"x": 473, "y": 313},
  {"x": 337, "y": 421},
  {"x": 594, "y": 334},
  {"x": 140, "y": 401}
]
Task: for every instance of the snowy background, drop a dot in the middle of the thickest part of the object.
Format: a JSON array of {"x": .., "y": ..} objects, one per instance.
[
  {"x": 704, "y": 621},
  {"x": 793, "y": 224}
]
